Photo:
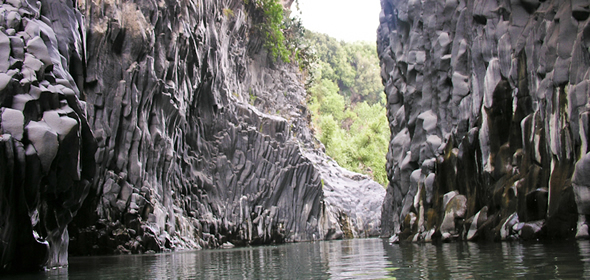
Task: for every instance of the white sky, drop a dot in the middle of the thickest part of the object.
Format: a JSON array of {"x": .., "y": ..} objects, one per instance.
[{"x": 348, "y": 20}]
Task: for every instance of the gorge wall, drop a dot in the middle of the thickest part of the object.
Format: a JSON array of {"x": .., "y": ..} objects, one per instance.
[
  {"x": 148, "y": 126},
  {"x": 489, "y": 114}
]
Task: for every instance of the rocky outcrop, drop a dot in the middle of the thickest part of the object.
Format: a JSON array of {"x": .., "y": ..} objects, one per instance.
[
  {"x": 352, "y": 202},
  {"x": 46, "y": 146},
  {"x": 163, "y": 126},
  {"x": 201, "y": 138},
  {"x": 193, "y": 136},
  {"x": 489, "y": 114}
]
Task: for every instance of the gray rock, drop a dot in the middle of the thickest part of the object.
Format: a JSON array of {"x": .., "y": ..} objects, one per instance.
[
  {"x": 476, "y": 223},
  {"x": 45, "y": 142},
  {"x": 350, "y": 195},
  {"x": 4, "y": 52},
  {"x": 454, "y": 209},
  {"x": 170, "y": 105},
  {"x": 532, "y": 230},
  {"x": 581, "y": 184},
  {"x": 13, "y": 123},
  {"x": 507, "y": 232},
  {"x": 47, "y": 149},
  {"x": 37, "y": 48},
  {"x": 506, "y": 83}
]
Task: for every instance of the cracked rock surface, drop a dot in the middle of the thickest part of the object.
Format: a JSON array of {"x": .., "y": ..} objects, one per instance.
[
  {"x": 201, "y": 139},
  {"x": 46, "y": 145},
  {"x": 487, "y": 101},
  {"x": 139, "y": 126}
]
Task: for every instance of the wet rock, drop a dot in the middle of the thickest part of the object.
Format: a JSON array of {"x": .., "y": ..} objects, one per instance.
[
  {"x": 581, "y": 183},
  {"x": 505, "y": 85},
  {"x": 507, "y": 231},
  {"x": 185, "y": 156},
  {"x": 153, "y": 102},
  {"x": 536, "y": 204},
  {"x": 455, "y": 209},
  {"x": 476, "y": 223},
  {"x": 47, "y": 150},
  {"x": 531, "y": 230}
]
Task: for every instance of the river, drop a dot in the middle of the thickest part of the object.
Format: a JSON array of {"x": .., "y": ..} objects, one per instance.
[{"x": 343, "y": 259}]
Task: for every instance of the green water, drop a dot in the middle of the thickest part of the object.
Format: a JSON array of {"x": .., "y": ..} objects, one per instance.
[{"x": 344, "y": 259}]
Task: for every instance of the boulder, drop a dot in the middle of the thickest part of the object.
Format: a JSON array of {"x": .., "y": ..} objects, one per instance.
[
  {"x": 581, "y": 184},
  {"x": 476, "y": 222},
  {"x": 455, "y": 210}
]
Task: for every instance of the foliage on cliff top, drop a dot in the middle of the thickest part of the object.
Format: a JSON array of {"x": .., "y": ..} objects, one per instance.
[
  {"x": 272, "y": 28},
  {"x": 283, "y": 35},
  {"x": 347, "y": 105}
]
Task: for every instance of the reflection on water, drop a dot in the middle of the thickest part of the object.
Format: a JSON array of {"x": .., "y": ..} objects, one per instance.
[
  {"x": 345, "y": 259},
  {"x": 557, "y": 260}
]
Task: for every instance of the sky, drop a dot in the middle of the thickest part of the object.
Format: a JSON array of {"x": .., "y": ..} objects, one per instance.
[{"x": 348, "y": 20}]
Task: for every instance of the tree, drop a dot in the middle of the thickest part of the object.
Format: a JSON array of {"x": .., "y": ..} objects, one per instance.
[{"x": 346, "y": 102}]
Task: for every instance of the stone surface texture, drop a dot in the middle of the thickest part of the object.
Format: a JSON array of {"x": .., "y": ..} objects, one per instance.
[
  {"x": 202, "y": 139},
  {"x": 194, "y": 137},
  {"x": 489, "y": 113},
  {"x": 46, "y": 145}
]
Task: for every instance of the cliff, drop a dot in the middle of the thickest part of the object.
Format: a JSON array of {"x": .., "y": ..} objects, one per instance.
[
  {"x": 47, "y": 148},
  {"x": 489, "y": 114},
  {"x": 157, "y": 126}
]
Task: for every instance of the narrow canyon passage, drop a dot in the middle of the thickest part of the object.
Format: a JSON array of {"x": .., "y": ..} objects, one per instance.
[
  {"x": 143, "y": 126},
  {"x": 140, "y": 127}
]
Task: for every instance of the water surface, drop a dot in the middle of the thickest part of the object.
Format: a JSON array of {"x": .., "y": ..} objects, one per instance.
[{"x": 344, "y": 259}]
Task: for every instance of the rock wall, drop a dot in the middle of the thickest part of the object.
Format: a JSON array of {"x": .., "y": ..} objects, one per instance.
[
  {"x": 163, "y": 126},
  {"x": 202, "y": 139},
  {"x": 489, "y": 114},
  {"x": 46, "y": 146}
]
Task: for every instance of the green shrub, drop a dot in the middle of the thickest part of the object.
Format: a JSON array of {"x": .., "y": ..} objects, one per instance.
[
  {"x": 253, "y": 98},
  {"x": 346, "y": 101},
  {"x": 273, "y": 29},
  {"x": 283, "y": 35},
  {"x": 228, "y": 12}
]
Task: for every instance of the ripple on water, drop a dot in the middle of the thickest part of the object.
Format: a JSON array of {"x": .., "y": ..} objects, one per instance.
[{"x": 344, "y": 259}]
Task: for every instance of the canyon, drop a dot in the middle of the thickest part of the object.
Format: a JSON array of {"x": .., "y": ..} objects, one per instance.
[
  {"x": 156, "y": 126},
  {"x": 152, "y": 126}
]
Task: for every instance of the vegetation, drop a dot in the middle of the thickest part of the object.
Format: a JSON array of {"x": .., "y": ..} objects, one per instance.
[
  {"x": 344, "y": 87},
  {"x": 354, "y": 67},
  {"x": 272, "y": 28},
  {"x": 347, "y": 103},
  {"x": 228, "y": 12},
  {"x": 283, "y": 35}
]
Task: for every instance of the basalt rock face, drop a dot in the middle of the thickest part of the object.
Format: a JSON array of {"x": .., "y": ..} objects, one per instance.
[
  {"x": 202, "y": 139},
  {"x": 489, "y": 114},
  {"x": 163, "y": 126},
  {"x": 46, "y": 146}
]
